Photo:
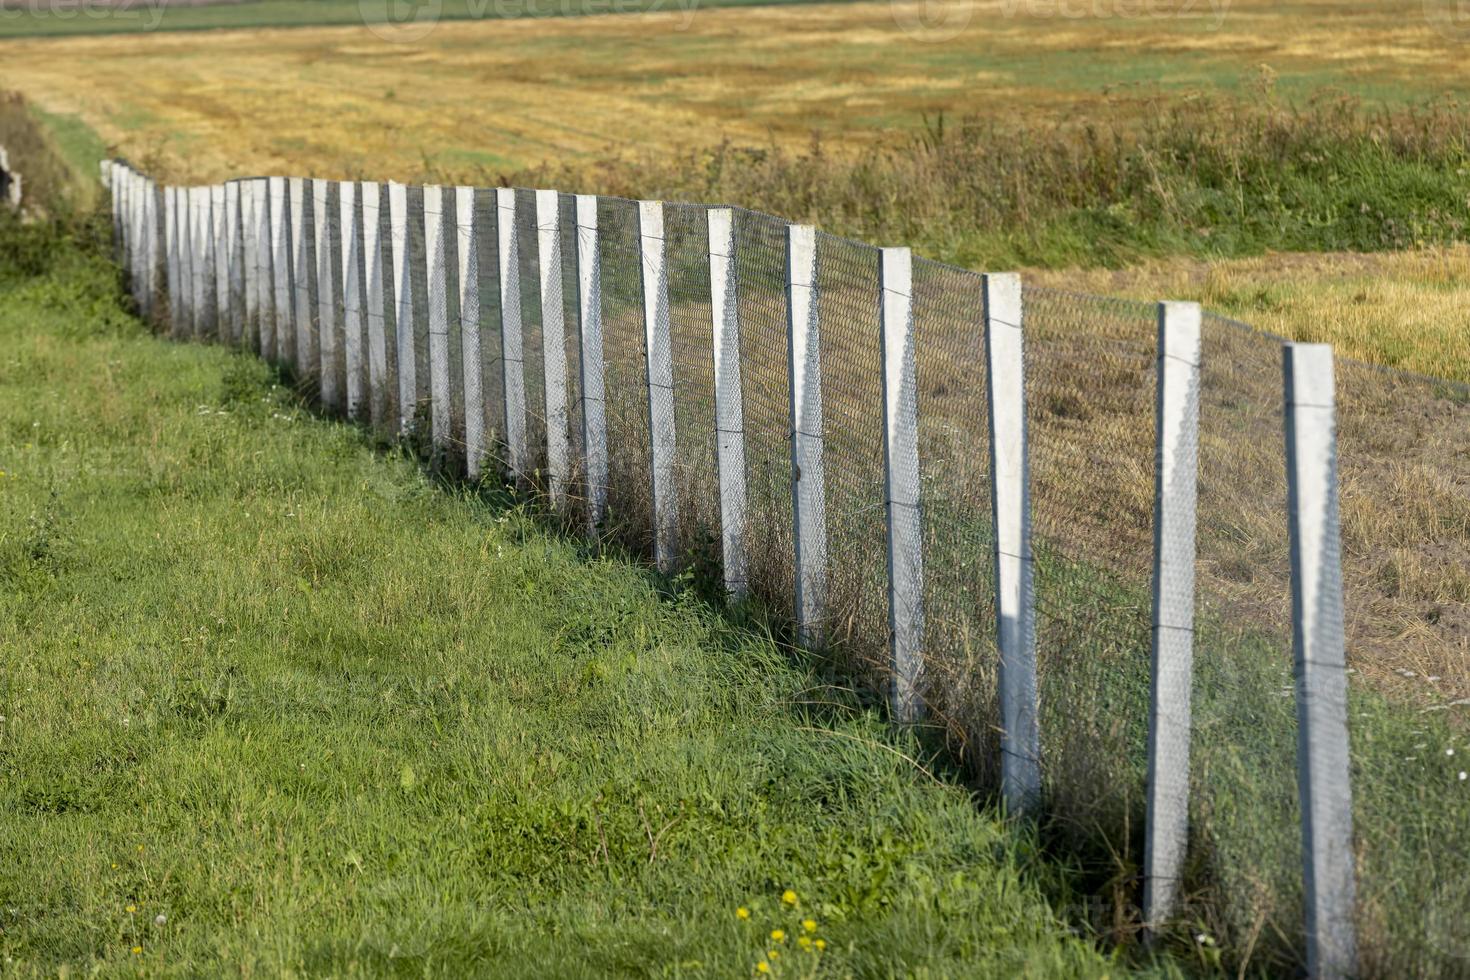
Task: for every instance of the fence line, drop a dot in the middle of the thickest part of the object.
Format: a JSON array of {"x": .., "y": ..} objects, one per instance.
[{"x": 329, "y": 279}]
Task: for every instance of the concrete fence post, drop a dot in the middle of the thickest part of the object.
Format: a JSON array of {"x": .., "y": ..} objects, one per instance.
[
  {"x": 375, "y": 296},
  {"x": 265, "y": 303},
  {"x": 235, "y": 232},
  {"x": 173, "y": 245},
  {"x": 303, "y": 308},
  {"x": 150, "y": 248},
  {"x": 327, "y": 275},
  {"x": 353, "y": 342},
  {"x": 189, "y": 262},
  {"x": 808, "y": 475},
  {"x": 250, "y": 249},
  {"x": 660, "y": 381},
  {"x": 901, "y": 472},
  {"x": 1176, "y": 489},
  {"x": 1323, "y": 764},
  {"x": 589, "y": 339},
  {"x": 115, "y": 195},
  {"x": 467, "y": 239},
  {"x": 398, "y": 240},
  {"x": 1011, "y": 505},
  {"x": 729, "y": 408},
  {"x": 283, "y": 323},
  {"x": 436, "y": 257},
  {"x": 512, "y": 338},
  {"x": 219, "y": 241},
  {"x": 554, "y": 346}
]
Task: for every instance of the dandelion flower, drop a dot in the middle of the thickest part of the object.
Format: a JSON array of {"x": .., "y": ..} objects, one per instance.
[
  {"x": 742, "y": 913},
  {"x": 805, "y": 942},
  {"x": 820, "y": 944},
  {"x": 789, "y": 897},
  {"x": 774, "y": 954},
  {"x": 137, "y": 950},
  {"x": 160, "y": 919},
  {"x": 1464, "y": 775},
  {"x": 810, "y": 925},
  {"x": 763, "y": 967},
  {"x": 132, "y": 908},
  {"x": 779, "y": 935}
]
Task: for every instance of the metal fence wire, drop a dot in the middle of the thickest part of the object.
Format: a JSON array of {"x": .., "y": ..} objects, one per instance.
[{"x": 1169, "y": 768}]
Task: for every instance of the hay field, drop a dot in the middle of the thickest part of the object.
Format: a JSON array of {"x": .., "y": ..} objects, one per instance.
[{"x": 485, "y": 95}]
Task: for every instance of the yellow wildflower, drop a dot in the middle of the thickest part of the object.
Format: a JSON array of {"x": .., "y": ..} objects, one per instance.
[
  {"x": 789, "y": 897},
  {"x": 742, "y": 913},
  {"x": 805, "y": 942},
  {"x": 132, "y": 908},
  {"x": 774, "y": 954},
  {"x": 810, "y": 925},
  {"x": 779, "y": 935},
  {"x": 137, "y": 950},
  {"x": 821, "y": 944},
  {"x": 763, "y": 967}
]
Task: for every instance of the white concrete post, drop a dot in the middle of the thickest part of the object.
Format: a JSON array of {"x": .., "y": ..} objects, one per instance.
[
  {"x": 1176, "y": 489},
  {"x": 235, "y": 230},
  {"x": 436, "y": 258},
  {"x": 188, "y": 262},
  {"x": 283, "y": 325},
  {"x": 1323, "y": 764},
  {"x": 404, "y": 312},
  {"x": 376, "y": 298},
  {"x": 554, "y": 346},
  {"x": 901, "y": 471},
  {"x": 265, "y": 305},
  {"x": 729, "y": 409},
  {"x": 173, "y": 239},
  {"x": 221, "y": 245},
  {"x": 660, "y": 361},
  {"x": 327, "y": 274},
  {"x": 512, "y": 339},
  {"x": 308, "y": 356},
  {"x": 249, "y": 248},
  {"x": 1011, "y": 509},
  {"x": 204, "y": 253},
  {"x": 353, "y": 341},
  {"x": 808, "y": 475},
  {"x": 467, "y": 238},
  {"x": 589, "y": 336},
  {"x": 150, "y": 247}
]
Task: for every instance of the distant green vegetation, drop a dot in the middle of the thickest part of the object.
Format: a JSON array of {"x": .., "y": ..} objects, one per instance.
[
  {"x": 68, "y": 19},
  {"x": 1215, "y": 178},
  {"x": 275, "y": 703}
]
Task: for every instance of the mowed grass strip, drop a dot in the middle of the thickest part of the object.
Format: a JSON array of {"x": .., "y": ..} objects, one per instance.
[{"x": 275, "y": 704}]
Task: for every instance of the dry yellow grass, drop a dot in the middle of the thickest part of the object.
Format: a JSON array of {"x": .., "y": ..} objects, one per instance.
[{"x": 339, "y": 102}]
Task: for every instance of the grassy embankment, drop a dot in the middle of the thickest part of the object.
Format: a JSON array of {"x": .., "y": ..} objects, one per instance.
[{"x": 276, "y": 703}]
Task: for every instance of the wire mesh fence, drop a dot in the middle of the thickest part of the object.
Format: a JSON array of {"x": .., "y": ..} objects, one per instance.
[{"x": 600, "y": 323}]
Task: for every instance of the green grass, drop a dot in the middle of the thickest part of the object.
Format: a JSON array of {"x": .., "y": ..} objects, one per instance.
[
  {"x": 66, "y": 20},
  {"x": 326, "y": 717}
]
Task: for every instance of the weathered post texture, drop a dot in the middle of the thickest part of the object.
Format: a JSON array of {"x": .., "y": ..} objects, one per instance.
[
  {"x": 404, "y": 306},
  {"x": 901, "y": 474},
  {"x": 282, "y": 322},
  {"x": 589, "y": 337},
  {"x": 660, "y": 381},
  {"x": 265, "y": 303},
  {"x": 1323, "y": 765},
  {"x": 249, "y": 329},
  {"x": 327, "y": 275},
  {"x": 1176, "y": 487},
  {"x": 350, "y": 248},
  {"x": 189, "y": 262},
  {"x": 234, "y": 231},
  {"x": 173, "y": 245},
  {"x": 511, "y": 336},
  {"x": 729, "y": 410},
  {"x": 205, "y": 254},
  {"x": 436, "y": 248},
  {"x": 303, "y": 271},
  {"x": 375, "y": 312},
  {"x": 808, "y": 479},
  {"x": 553, "y": 347},
  {"x": 467, "y": 239},
  {"x": 221, "y": 246},
  {"x": 1011, "y": 506}
]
